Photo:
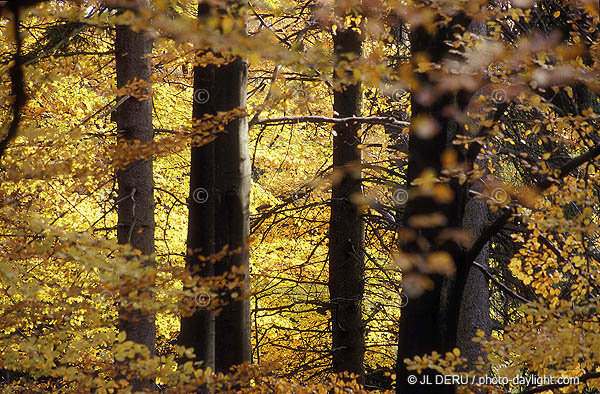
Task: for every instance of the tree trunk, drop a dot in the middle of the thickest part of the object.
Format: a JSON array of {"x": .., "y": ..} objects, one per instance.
[
  {"x": 475, "y": 304},
  {"x": 429, "y": 320},
  {"x": 474, "y": 313},
  {"x": 135, "y": 182},
  {"x": 219, "y": 215},
  {"x": 346, "y": 227},
  {"x": 198, "y": 330},
  {"x": 232, "y": 225}
]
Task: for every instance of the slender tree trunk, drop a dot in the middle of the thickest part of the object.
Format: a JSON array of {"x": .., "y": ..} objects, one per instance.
[
  {"x": 135, "y": 182},
  {"x": 232, "y": 225},
  {"x": 346, "y": 227}
]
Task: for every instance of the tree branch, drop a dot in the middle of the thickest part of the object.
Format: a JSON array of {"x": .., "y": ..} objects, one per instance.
[
  {"x": 501, "y": 285},
  {"x": 324, "y": 119},
  {"x": 486, "y": 235},
  {"x": 491, "y": 230},
  {"x": 256, "y": 117}
]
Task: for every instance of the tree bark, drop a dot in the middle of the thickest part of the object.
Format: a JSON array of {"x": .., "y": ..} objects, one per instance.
[
  {"x": 232, "y": 225},
  {"x": 429, "y": 320},
  {"x": 198, "y": 330},
  {"x": 219, "y": 214},
  {"x": 474, "y": 312},
  {"x": 346, "y": 227},
  {"x": 135, "y": 182},
  {"x": 475, "y": 304}
]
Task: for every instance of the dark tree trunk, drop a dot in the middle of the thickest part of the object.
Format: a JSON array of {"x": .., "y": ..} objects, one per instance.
[
  {"x": 198, "y": 330},
  {"x": 429, "y": 320},
  {"x": 475, "y": 304},
  {"x": 346, "y": 227},
  {"x": 219, "y": 215},
  {"x": 232, "y": 225},
  {"x": 136, "y": 185}
]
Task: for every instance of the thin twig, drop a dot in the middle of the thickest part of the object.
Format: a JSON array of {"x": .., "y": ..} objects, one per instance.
[
  {"x": 256, "y": 117},
  {"x": 133, "y": 216}
]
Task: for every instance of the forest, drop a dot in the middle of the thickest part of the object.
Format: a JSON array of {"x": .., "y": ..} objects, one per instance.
[{"x": 300, "y": 196}]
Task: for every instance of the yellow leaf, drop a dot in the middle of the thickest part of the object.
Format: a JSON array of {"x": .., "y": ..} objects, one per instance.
[
  {"x": 424, "y": 67},
  {"x": 443, "y": 194},
  {"x": 569, "y": 91},
  {"x": 208, "y": 371},
  {"x": 425, "y": 127},
  {"x": 227, "y": 25},
  {"x": 121, "y": 336},
  {"x": 440, "y": 262}
]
